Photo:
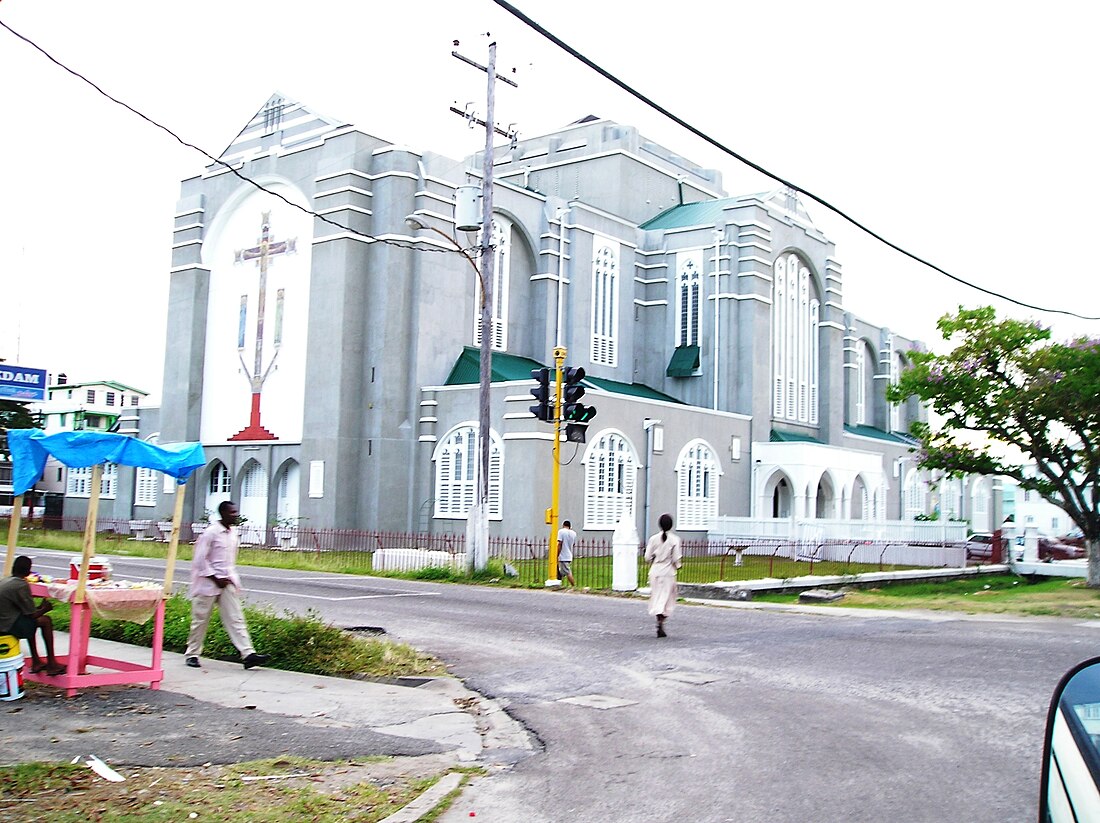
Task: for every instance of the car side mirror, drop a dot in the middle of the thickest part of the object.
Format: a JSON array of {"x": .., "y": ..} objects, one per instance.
[{"x": 1069, "y": 788}]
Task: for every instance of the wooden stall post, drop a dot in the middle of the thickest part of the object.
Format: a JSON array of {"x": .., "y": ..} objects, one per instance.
[
  {"x": 13, "y": 533},
  {"x": 173, "y": 541},
  {"x": 89, "y": 532}
]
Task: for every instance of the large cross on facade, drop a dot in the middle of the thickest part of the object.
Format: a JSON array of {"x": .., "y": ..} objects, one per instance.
[{"x": 262, "y": 254}]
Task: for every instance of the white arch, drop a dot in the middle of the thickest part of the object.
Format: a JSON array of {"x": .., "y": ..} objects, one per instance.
[
  {"x": 610, "y": 479},
  {"x": 697, "y": 476},
  {"x": 457, "y": 460}
]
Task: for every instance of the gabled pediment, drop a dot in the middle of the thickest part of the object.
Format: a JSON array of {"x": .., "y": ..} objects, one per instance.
[{"x": 280, "y": 121}]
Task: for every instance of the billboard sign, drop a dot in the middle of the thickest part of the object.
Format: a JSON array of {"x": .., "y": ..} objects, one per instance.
[{"x": 21, "y": 383}]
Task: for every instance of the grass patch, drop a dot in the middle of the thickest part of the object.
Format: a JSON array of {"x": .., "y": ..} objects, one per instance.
[
  {"x": 301, "y": 643},
  {"x": 365, "y": 790},
  {"x": 988, "y": 594}
]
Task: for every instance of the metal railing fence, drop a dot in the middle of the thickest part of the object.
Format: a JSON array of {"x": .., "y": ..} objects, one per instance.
[{"x": 522, "y": 559}]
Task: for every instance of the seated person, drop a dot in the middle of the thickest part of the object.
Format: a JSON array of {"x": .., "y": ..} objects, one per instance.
[{"x": 20, "y": 617}]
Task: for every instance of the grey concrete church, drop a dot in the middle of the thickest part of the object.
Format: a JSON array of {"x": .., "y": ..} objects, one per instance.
[{"x": 325, "y": 352}]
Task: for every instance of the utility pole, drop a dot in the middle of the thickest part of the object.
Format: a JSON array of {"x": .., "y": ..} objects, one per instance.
[{"x": 478, "y": 551}]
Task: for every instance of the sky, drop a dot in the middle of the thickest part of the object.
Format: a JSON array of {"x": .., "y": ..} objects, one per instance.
[{"x": 961, "y": 132}]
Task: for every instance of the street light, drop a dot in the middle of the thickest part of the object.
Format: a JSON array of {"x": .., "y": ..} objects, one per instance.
[
  {"x": 480, "y": 551},
  {"x": 415, "y": 224}
]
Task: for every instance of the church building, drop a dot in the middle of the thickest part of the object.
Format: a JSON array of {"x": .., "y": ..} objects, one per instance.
[{"x": 323, "y": 339}]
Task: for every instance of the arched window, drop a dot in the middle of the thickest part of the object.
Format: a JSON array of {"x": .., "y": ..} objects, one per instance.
[
  {"x": 502, "y": 251},
  {"x": 457, "y": 467},
  {"x": 610, "y": 470},
  {"x": 914, "y": 495},
  {"x": 688, "y": 288},
  {"x": 697, "y": 473},
  {"x": 895, "y": 363},
  {"x": 221, "y": 482},
  {"x": 605, "y": 301},
  {"x": 795, "y": 338},
  {"x": 861, "y": 385}
]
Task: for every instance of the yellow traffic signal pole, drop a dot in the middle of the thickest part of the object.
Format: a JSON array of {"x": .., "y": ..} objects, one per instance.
[{"x": 552, "y": 513}]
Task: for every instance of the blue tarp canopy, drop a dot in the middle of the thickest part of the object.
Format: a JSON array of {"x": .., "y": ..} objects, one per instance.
[{"x": 30, "y": 447}]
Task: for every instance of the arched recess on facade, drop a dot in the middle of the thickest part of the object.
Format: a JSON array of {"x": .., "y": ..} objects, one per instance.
[
  {"x": 778, "y": 495},
  {"x": 217, "y": 487},
  {"x": 861, "y": 501},
  {"x": 252, "y": 501},
  {"x": 981, "y": 491},
  {"x": 240, "y": 194},
  {"x": 287, "y": 482},
  {"x": 824, "y": 497}
]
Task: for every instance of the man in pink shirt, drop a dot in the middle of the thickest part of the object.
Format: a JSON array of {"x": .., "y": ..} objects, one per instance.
[{"x": 214, "y": 580}]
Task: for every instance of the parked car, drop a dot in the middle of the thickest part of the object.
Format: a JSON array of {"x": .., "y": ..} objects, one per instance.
[
  {"x": 979, "y": 546},
  {"x": 1051, "y": 548},
  {"x": 1074, "y": 538}
]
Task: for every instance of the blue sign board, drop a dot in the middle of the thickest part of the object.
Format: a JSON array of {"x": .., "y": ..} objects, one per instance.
[{"x": 20, "y": 383}]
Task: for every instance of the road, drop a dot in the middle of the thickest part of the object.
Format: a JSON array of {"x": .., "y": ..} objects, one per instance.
[{"x": 741, "y": 714}]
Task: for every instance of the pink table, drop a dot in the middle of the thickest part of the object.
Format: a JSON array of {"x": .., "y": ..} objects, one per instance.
[{"x": 78, "y": 660}]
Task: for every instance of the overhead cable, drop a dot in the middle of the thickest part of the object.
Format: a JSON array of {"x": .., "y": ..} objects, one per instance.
[{"x": 504, "y": 4}]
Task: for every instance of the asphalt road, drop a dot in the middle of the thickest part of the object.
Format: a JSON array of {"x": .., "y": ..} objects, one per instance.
[{"x": 746, "y": 715}]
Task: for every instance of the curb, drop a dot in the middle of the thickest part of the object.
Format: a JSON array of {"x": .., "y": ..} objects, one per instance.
[{"x": 427, "y": 801}]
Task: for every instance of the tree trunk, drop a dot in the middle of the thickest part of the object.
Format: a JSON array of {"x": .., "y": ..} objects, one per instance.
[{"x": 1094, "y": 563}]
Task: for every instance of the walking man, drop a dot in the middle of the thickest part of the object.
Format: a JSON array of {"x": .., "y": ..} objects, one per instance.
[
  {"x": 214, "y": 580},
  {"x": 567, "y": 538}
]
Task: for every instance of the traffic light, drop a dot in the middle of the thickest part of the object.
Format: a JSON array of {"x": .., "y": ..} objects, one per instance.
[
  {"x": 572, "y": 392},
  {"x": 575, "y": 414},
  {"x": 544, "y": 409}
]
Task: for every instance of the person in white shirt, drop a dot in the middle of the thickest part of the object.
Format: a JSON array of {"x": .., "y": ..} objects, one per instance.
[
  {"x": 214, "y": 579},
  {"x": 567, "y": 538}
]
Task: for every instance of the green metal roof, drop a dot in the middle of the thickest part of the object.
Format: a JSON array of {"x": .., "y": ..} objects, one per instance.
[
  {"x": 792, "y": 437},
  {"x": 703, "y": 213},
  {"x": 502, "y": 367},
  {"x": 505, "y": 367},
  {"x": 879, "y": 434},
  {"x": 631, "y": 389}
]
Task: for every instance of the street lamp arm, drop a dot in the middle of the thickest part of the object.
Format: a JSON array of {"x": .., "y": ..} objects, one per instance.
[{"x": 417, "y": 224}]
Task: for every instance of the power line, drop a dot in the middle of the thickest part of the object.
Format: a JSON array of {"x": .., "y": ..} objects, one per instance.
[
  {"x": 398, "y": 243},
  {"x": 504, "y": 4}
]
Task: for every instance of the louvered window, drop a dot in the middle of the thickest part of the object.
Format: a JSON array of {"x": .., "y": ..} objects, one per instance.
[
  {"x": 78, "y": 483},
  {"x": 605, "y": 301},
  {"x": 610, "y": 469},
  {"x": 457, "y": 467},
  {"x": 697, "y": 475},
  {"x": 795, "y": 342}
]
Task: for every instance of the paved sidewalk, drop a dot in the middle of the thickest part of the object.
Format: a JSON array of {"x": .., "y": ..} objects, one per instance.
[{"x": 222, "y": 713}]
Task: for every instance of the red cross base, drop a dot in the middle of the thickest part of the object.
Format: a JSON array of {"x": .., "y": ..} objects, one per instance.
[{"x": 254, "y": 431}]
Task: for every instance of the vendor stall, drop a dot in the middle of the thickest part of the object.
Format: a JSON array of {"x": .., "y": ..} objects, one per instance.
[{"x": 120, "y": 600}]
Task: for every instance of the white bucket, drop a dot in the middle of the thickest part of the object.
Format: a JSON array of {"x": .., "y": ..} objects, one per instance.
[{"x": 11, "y": 678}]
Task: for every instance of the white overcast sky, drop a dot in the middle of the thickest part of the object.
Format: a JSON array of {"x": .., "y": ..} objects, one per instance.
[{"x": 962, "y": 131}]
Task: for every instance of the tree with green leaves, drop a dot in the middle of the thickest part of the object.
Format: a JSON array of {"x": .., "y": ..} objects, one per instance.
[
  {"x": 14, "y": 415},
  {"x": 1010, "y": 402}
]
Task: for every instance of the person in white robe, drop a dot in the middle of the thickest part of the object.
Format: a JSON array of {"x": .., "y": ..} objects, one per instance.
[{"x": 663, "y": 554}]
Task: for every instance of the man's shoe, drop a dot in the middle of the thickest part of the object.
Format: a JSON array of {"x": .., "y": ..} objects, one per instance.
[
  {"x": 193, "y": 662},
  {"x": 256, "y": 660}
]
